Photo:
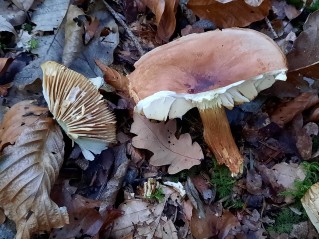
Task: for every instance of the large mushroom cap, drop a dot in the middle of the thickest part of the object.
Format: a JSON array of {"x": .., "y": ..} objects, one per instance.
[
  {"x": 79, "y": 108},
  {"x": 229, "y": 66}
]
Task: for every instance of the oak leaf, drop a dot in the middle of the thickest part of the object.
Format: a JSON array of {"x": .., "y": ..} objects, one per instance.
[
  {"x": 230, "y": 13},
  {"x": 160, "y": 139},
  {"x": 28, "y": 170}
]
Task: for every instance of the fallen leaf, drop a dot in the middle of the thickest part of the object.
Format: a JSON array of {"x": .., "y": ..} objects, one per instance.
[
  {"x": 6, "y": 26},
  {"x": 230, "y": 13},
  {"x": 164, "y": 11},
  {"x": 4, "y": 64},
  {"x": 84, "y": 216},
  {"x": 2, "y": 216},
  {"x": 49, "y": 15},
  {"x": 160, "y": 139},
  {"x": 143, "y": 219},
  {"x": 310, "y": 202},
  {"x": 28, "y": 169},
  {"x": 304, "y": 56},
  {"x": 23, "y": 4},
  {"x": 12, "y": 13},
  {"x": 20, "y": 117},
  {"x": 73, "y": 35},
  {"x": 211, "y": 225},
  {"x": 91, "y": 27},
  {"x": 287, "y": 111}
]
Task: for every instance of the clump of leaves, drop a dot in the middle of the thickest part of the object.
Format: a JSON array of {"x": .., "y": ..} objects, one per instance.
[
  {"x": 302, "y": 186},
  {"x": 158, "y": 194},
  {"x": 284, "y": 221},
  {"x": 27, "y": 27},
  {"x": 222, "y": 181}
]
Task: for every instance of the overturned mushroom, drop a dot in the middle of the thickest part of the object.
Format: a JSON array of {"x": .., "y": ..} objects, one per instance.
[
  {"x": 79, "y": 108},
  {"x": 208, "y": 71}
]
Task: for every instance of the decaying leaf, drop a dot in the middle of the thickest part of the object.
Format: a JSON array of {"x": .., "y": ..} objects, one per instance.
[
  {"x": 84, "y": 218},
  {"x": 73, "y": 35},
  {"x": 6, "y": 26},
  {"x": 49, "y": 15},
  {"x": 12, "y": 13},
  {"x": 287, "y": 111},
  {"x": 160, "y": 139},
  {"x": 310, "y": 202},
  {"x": 28, "y": 170},
  {"x": 23, "y": 4},
  {"x": 79, "y": 108},
  {"x": 145, "y": 220},
  {"x": 213, "y": 225},
  {"x": 230, "y": 13},
  {"x": 21, "y": 116},
  {"x": 304, "y": 57},
  {"x": 164, "y": 11}
]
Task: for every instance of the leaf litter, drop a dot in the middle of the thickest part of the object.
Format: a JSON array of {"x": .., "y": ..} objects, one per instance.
[{"x": 159, "y": 179}]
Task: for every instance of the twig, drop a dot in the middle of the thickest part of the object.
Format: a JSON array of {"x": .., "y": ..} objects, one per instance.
[
  {"x": 271, "y": 28},
  {"x": 123, "y": 24}
]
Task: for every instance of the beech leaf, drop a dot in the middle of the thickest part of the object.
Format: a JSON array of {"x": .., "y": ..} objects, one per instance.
[
  {"x": 164, "y": 11},
  {"x": 28, "y": 170},
  {"x": 287, "y": 111},
  {"x": 160, "y": 139},
  {"x": 73, "y": 35},
  {"x": 233, "y": 13},
  {"x": 304, "y": 57}
]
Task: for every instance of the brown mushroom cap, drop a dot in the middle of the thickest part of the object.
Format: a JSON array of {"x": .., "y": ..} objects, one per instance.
[
  {"x": 79, "y": 108},
  {"x": 224, "y": 67}
]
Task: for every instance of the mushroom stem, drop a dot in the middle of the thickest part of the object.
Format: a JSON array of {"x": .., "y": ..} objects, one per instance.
[{"x": 218, "y": 137}]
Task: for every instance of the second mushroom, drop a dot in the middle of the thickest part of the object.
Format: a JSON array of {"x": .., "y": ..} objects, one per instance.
[{"x": 209, "y": 71}]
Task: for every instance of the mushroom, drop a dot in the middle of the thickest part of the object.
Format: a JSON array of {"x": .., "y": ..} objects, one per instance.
[
  {"x": 210, "y": 71},
  {"x": 79, "y": 108}
]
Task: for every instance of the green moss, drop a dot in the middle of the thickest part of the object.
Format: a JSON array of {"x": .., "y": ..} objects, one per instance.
[
  {"x": 297, "y": 3},
  {"x": 314, "y": 6},
  {"x": 222, "y": 181},
  {"x": 284, "y": 221}
]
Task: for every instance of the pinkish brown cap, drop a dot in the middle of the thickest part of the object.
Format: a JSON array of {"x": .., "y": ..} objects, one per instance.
[{"x": 225, "y": 67}]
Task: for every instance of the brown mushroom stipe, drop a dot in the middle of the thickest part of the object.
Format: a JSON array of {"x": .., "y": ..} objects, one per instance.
[
  {"x": 208, "y": 71},
  {"x": 79, "y": 108}
]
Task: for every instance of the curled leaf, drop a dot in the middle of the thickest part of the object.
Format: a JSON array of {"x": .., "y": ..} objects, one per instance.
[{"x": 165, "y": 17}]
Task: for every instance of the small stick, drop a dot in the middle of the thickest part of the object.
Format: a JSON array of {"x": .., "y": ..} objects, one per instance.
[
  {"x": 271, "y": 28},
  {"x": 123, "y": 24}
]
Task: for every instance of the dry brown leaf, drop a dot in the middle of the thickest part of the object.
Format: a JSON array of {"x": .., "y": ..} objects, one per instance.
[
  {"x": 4, "y": 64},
  {"x": 21, "y": 116},
  {"x": 212, "y": 225},
  {"x": 310, "y": 201},
  {"x": 304, "y": 57},
  {"x": 164, "y": 11},
  {"x": 233, "y": 13},
  {"x": 23, "y": 4},
  {"x": 160, "y": 139},
  {"x": 84, "y": 218},
  {"x": 2, "y": 216},
  {"x": 28, "y": 170},
  {"x": 287, "y": 111},
  {"x": 73, "y": 35},
  {"x": 144, "y": 219}
]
